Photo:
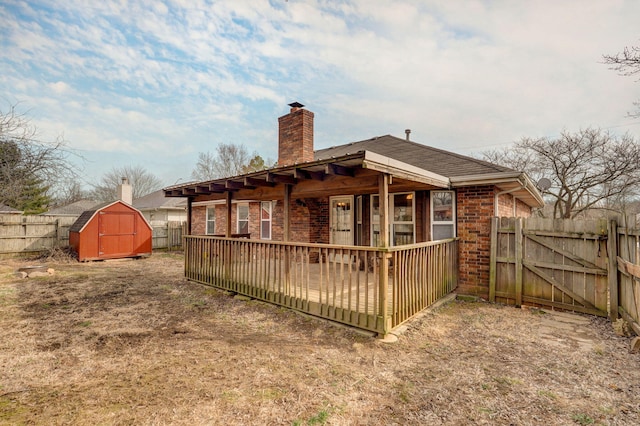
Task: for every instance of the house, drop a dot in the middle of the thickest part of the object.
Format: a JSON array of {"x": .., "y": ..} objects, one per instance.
[
  {"x": 334, "y": 202},
  {"x": 74, "y": 209},
  {"x": 157, "y": 207},
  {"x": 4, "y": 209}
]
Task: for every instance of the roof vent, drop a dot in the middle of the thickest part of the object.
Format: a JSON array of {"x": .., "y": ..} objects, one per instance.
[{"x": 407, "y": 132}]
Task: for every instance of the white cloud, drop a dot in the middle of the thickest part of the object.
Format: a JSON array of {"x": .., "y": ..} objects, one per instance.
[{"x": 152, "y": 76}]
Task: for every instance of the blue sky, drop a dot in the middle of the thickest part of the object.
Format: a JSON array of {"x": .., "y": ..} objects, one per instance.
[{"x": 153, "y": 83}]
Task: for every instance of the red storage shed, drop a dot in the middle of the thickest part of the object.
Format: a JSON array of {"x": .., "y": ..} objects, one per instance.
[{"x": 112, "y": 231}]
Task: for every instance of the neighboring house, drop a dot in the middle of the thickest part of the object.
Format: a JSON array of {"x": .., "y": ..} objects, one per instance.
[
  {"x": 74, "y": 209},
  {"x": 157, "y": 207},
  {"x": 334, "y": 196},
  {"x": 4, "y": 209}
]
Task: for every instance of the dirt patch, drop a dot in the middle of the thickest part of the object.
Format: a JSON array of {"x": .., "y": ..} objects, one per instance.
[{"x": 133, "y": 342}]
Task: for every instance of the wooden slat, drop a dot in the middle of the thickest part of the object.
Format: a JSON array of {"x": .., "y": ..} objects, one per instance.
[
  {"x": 563, "y": 252},
  {"x": 559, "y": 285}
]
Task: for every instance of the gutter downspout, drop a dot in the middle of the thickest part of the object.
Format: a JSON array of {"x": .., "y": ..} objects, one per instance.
[{"x": 495, "y": 198}]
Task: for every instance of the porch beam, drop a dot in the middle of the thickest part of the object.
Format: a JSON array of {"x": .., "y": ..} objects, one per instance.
[
  {"x": 188, "y": 191},
  {"x": 273, "y": 178},
  {"x": 253, "y": 182},
  {"x": 216, "y": 187},
  {"x": 336, "y": 169},
  {"x": 232, "y": 184},
  {"x": 202, "y": 189},
  {"x": 307, "y": 174}
]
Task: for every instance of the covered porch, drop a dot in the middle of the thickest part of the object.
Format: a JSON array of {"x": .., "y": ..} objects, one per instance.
[{"x": 321, "y": 257}]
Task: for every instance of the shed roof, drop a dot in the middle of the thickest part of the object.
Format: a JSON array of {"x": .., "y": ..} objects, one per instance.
[{"x": 87, "y": 215}]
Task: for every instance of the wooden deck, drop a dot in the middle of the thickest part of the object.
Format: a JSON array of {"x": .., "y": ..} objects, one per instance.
[{"x": 344, "y": 284}]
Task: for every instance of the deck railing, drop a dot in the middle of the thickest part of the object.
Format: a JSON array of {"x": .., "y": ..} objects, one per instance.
[{"x": 341, "y": 283}]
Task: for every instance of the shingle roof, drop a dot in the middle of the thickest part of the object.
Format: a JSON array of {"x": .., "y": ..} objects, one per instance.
[
  {"x": 75, "y": 208},
  {"x": 157, "y": 200},
  {"x": 6, "y": 209},
  {"x": 87, "y": 215},
  {"x": 435, "y": 160}
]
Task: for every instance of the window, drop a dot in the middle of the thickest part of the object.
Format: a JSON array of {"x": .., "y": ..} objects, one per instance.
[
  {"x": 375, "y": 220},
  {"x": 443, "y": 218},
  {"x": 401, "y": 222},
  {"x": 243, "y": 218},
  {"x": 265, "y": 220},
  {"x": 211, "y": 220}
]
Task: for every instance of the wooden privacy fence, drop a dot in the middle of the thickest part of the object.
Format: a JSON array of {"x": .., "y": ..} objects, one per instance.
[
  {"x": 31, "y": 234},
  {"x": 588, "y": 266},
  {"x": 556, "y": 263},
  {"x": 168, "y": 234},
  {"x": 369, "y": 288},
  {"x": 625, "y": 277}
]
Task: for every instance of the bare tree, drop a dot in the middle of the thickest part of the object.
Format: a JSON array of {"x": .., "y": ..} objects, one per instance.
[
  {"x": 627, "y": 63},
  {"x": 590, "y": 169},
  {"x": 142, "y": 182},
  {"x": 29, "y": 165},
  {"x": 69, "y": 191},
  {"x": 228, "y": 160}
]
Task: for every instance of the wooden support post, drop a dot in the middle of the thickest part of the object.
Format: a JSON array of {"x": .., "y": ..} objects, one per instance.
[
  {"x": 383, "y": 194},
  {"x": 228, "y": 231},
  {"x": 286, "y": 215},
  {"x": 519, "y": 240},
  {"x": 612, "y": 253},
  {"x": 189, "y": 212},
  {"x": 286, "y": 230},
  {"x": 493, "y": 261}
]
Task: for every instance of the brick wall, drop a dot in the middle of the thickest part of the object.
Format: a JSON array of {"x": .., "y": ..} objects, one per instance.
[
  {"x": 475, "y": 209},
  {"x": 506, "y": 203},
  {"x": 295, "y": 137},
  {"x": 199, "y": 220}
]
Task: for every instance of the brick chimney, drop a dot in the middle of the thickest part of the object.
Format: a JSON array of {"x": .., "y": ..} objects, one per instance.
[{"x": 295, "y": 136}]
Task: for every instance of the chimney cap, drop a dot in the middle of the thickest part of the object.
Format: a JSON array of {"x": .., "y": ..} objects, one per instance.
[{"x": 296, "y": 105}]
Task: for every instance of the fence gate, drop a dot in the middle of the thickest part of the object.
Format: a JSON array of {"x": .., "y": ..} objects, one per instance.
[{"x": 547, "y": 262}]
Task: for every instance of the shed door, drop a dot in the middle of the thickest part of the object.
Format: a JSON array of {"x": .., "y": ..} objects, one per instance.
[{"x": 117, "y": 231}]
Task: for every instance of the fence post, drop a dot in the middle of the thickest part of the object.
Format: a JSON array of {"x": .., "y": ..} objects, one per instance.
[
  {"x": 56, "y": 243},
  {"x": 519, "y": 240},
  {"x": 169, "y": 237},
  {"x": 493, "y": 261},
  {"x": 612, "y": 251}
]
